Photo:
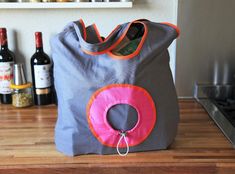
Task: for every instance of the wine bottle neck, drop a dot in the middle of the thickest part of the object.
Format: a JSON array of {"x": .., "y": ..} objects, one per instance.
[
  {"x": 39, "y": 49},
  {"x": 4, "y": 47},
  {"x": 3, "y": 39},
  {"x": 38, "y": 41}
]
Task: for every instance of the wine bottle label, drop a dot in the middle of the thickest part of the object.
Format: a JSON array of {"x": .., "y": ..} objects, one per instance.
[
  {"x": 42, "y": 76},
  {"x": 6, "y": 76},
  {"x": 43, "y": 91}
]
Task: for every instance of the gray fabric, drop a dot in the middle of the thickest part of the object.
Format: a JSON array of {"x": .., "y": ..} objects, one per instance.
[
  {"x": 78, "y": 75},
  {"x": 122, "y": 117}
]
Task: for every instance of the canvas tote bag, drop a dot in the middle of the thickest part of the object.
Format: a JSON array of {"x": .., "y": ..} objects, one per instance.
[{"x": 115, "y": 94}]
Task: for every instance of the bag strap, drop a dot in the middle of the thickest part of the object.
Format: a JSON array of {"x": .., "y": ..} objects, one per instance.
[
  {"x": 104, "y": 46},
  {"x": 92, "y": 36},
  {"x": 97, "y": 48}
]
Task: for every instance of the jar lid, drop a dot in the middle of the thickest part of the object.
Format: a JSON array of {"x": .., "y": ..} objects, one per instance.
[{"x": 27, "y": 85}]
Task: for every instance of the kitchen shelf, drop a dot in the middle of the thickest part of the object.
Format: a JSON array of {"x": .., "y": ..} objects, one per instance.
[{"x": 64, "y": 5}]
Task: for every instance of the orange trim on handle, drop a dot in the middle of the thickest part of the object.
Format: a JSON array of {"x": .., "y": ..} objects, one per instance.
[
  {"x": 110, "y": 48},
  {"x": 84, "y": 29},
  {"x": 112, "y": 32},
  {"x": 137, "y": 51},
  {"x": 97, "y": 32},
  {"x": 173, "y": 26},
  {"x": 118, "y": 41}
]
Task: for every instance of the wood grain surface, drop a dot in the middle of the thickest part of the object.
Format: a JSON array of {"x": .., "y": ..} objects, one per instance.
[{"x": 27, "y": 146}]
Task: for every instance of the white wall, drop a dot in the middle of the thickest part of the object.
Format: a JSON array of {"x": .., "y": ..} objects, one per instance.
[
  {"x": 206, "y": 47},
  {"x": 22, "y": 24}
]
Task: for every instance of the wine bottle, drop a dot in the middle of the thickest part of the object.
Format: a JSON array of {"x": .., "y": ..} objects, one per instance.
[
  {"x": 6, "y": 68},
  {"x": 41, "y": 73}
]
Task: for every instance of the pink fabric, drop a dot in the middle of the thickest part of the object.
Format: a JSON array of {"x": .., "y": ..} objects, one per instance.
[{"x": 122, "y": 94}]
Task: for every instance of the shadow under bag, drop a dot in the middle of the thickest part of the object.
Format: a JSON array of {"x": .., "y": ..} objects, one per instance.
[{"x": 115, "y": 94}]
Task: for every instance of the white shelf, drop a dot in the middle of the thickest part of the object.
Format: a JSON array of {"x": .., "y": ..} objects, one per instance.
[{"x": 56, "y": 5}]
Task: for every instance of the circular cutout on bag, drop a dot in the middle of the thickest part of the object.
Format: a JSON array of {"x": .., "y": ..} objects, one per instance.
[
  {"x": 111, "y": 95},
  {"x": 122, "y": 117}
]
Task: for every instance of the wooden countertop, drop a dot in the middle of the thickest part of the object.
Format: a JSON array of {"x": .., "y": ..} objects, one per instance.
[{"x": 26, "y": 146}]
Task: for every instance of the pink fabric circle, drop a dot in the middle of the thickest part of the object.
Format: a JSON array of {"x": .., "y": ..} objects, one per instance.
[{"x": 111, "y": 95}]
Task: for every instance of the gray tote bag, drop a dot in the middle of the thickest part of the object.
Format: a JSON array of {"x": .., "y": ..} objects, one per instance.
[{"x": 115, "y": 94}]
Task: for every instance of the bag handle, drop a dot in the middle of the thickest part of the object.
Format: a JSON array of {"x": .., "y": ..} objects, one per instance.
[
  {"x": 116, "y": 36},
  {"x": 97, "y": 48}
]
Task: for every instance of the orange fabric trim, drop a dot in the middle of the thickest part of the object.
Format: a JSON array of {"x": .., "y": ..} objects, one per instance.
[
  {"x": 173, "y": 26},
  {"x": 118, "y": 41},
  {"x": 97, "y": 33},
  {"x": 84, "y": 29},
  {"x": 112, "y": 32},
  {"x": 130, "y": 55},
  {"x": 138, "y": 48},
  {"x": 93, "y": 97},
  {"x": 110, "y": 48}
]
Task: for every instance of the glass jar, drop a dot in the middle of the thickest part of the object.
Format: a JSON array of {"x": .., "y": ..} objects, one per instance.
[{"x": 22, "y": 95}]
